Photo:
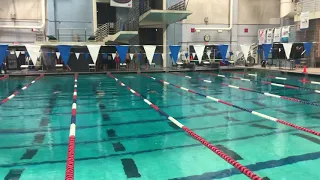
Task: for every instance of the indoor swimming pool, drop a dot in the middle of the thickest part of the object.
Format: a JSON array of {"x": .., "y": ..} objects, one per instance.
[{"x": 127, "y": 126}]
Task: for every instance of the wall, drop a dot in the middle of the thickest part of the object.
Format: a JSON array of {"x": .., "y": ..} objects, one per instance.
[
  {"x": 28, "y": 13},
  {"x": 70, "y": 14},
  {"x": 250, "y": 14}
]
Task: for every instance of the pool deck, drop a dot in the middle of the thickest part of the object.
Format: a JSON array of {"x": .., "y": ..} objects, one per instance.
[{"x": 311, "y": 71}]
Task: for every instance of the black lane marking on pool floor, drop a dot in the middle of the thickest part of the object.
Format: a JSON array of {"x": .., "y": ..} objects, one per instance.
[
  {"x": 130, "y": 168},
  {"x": 307, "y": 137},
  {"x": 263, "y": 126},
  {"x": 14, "y": 174},
  {"x": 44, "y": 122},
  {"x": 231, "y": 119},
  {"x": 305, "y": 157},
  {"x": 229, "y": 152},
  {"x": 258, "y": 103},
  {"x": 208, "y": 106},
  {"x": 111, "y": 133},
  {"x": 266, "y": 178},
  {"x": 173, "y": 126},
  {"x": 118, "y": 147},
  {"x": 38, "y": 138},
  {"x": 29, "y": 154}
]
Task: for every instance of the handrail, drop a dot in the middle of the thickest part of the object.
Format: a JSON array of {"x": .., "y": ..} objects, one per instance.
[{"x": 180, "y": 6}]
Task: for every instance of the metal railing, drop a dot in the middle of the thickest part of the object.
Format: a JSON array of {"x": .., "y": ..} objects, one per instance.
[
  {"x": 180, "y": 6},
  {"x": 72, "y": 34},
  {"x": 104, "y": 30}
]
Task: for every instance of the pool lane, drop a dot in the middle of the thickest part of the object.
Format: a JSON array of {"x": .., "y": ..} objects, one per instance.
[
  {"x": 263, "y": 145},
  {"x": 152, "y": 142},
  {"x": 244, "y": 109}
]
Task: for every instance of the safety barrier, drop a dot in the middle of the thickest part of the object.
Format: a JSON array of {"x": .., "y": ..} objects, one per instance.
[
  {"x": 22, "y": 89},
  {"x": 4, "y": 77},
  {"x": 214, "y": 149},
  {"x": 72, "y": 134},
  {"x": 238, "y": 107},
  {"x": 255, "y": 91}
]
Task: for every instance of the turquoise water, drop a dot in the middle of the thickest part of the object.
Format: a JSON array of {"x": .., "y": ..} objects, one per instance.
[{"x": 120, "y": 127}]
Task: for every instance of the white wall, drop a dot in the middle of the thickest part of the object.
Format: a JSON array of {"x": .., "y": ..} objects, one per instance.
[
  {"x": 216, "y": 10},
  {"x": 250, "y": 14},
  {"x": 28, "y": 12},
  {"x": 259, "y": 11}
]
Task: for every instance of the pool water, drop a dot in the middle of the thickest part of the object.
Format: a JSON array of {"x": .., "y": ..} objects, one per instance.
[{"x": 119, "y": 136}]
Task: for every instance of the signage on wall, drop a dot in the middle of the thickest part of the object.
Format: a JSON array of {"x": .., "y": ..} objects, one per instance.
[
  {"x": 304, "y": 20},
  {"x": 262, "y": 36},
  {"x": 121, "y": 3},
  {"x": 246, "y": 30}
]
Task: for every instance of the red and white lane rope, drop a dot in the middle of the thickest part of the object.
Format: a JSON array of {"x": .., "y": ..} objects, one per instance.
[
  {"x": 72, "y": 134},
  {"x": 214, "y": 149},
  {"x": 4, "y": 77},
  {"x": 241, "y": 108},
  {"x": 255, "y": 91},
  {"x": 265, "y": 82},
  {"x": 22, "y": 89}
]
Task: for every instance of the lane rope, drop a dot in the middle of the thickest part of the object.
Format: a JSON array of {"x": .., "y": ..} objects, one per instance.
[
  {"x": 72, "y": 134},
  {"x": 241, "y": 108},
  {"x": 266, "y": 82},
  {"x": 22, "y": 89},
  {"x": 4, "y": 77},
  {"x": 255, "y": 91},
  {"x": 214, "y": 149}
]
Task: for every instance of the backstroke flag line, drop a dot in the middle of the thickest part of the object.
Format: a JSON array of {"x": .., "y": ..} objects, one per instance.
[
  {"x": 266, "y": 50},
  {"x": 58, "y": 55},
  {"x": 175, "y": 49},
  {"x": 131, "y": 56},
  {"x": 287, "y": 49},
  {"x": 199, "y": 51},
  {"x": 307, "y": 47},
  {"x": 113, "y": 55},
  {"x": 149, "y": 49},
  {"x": 223, "y": 48},
  {"x": 64, "y": 53},
  {"x": 105, "y": 56},
  {"x": 94, "y": 52},
  {"x": 3, "y": 53},
  {"x": 17, "y": 53},
  {"x": 77, "y": 55},
  {"x": 34, "y": 52},
  {"x": 245, "y": 50},
  {"x": 122, "y": 50}
]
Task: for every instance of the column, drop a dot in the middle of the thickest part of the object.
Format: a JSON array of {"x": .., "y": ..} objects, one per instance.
[{"x": 164, "y": 39}]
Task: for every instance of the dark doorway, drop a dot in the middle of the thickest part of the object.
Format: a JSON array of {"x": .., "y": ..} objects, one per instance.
[{"x": 105, "y": 13}]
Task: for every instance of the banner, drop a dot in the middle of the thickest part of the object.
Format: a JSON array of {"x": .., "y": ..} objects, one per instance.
[
  {"x": 3, "y": 53},
  {"x": 105, "y": 56},
  {"x": 149, "y": 49},
  {"x": 77, "y": 55},
  {"x": 94, "y": 52},
  {"x": 285, "y": 34},
  {"x": 17, "y": 53},
  {"x": 199, "y": 51},
  {"x": 304, "y": 20},
  {"x": 122, "y": 51},
  {"x": 262, "y": 36},
  {"x": 186, "y": 55},
  {"x": 223, "y": 48},
  {"x": 277, "y": 34},
  {"x": 121, "y": 3},
  {"x": 266, "y": 50},
  {"x": 58, "y": 55},
  {"x": 64, "y": 53},
  {"x": 34, "y": 52},
  {"x": 287, "y": 49},
  {"x": 86, "y": 55},
  {"x": 269, "y": 36},
  {"x": 245, "y": 50},
  {"x": 194, "y": 55},
  {"x": 175, "y": 49},
  {"x": 113, "y": 56},
  {"x": 131, "y": 56},
  {"x": 307, "y": 48}
]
